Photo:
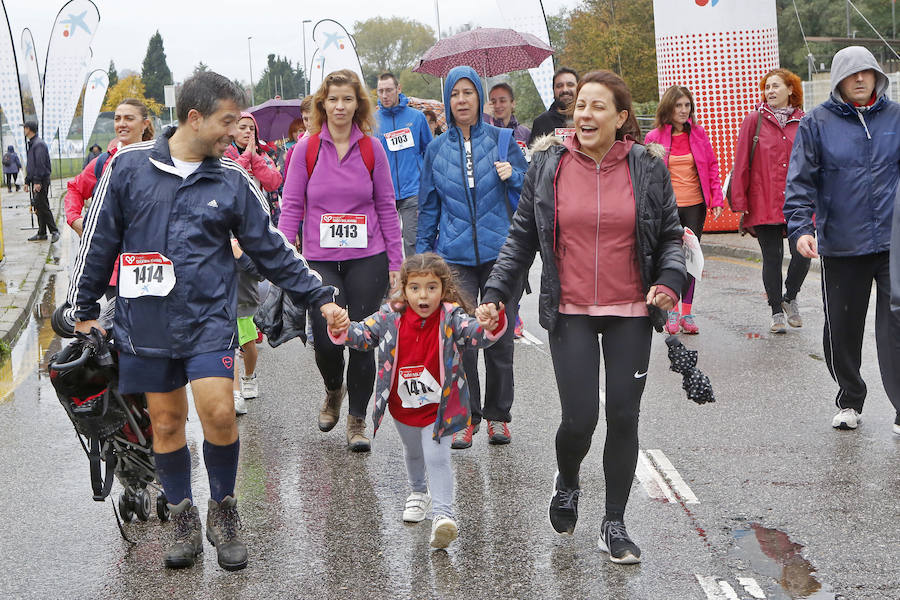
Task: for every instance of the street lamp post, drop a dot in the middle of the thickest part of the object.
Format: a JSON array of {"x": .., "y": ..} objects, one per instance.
[
  {"x": 250, "y": 58},
  {"x": 305, "y": 64}
]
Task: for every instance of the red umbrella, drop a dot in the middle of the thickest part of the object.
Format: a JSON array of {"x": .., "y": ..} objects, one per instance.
[{"x": 489, "y": 51}]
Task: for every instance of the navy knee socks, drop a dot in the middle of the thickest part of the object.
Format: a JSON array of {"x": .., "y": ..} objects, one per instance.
[
  {"x": 174, "y": 472},
  {"x": 221, "y": 467}
]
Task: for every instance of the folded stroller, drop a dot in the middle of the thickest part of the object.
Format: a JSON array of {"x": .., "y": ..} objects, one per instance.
[{"x": 112, "y": 428}]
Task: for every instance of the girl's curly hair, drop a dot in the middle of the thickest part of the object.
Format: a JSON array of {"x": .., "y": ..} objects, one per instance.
[{"x": 432, "y": 264}]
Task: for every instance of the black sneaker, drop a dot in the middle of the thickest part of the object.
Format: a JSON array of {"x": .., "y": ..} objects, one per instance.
[
  {"x": 37, "y": 237},
  {"x": 54, "y": 237},
  {"x": 614, "y": 540},
  {"x": 563, "y": 508},
  {"x": 897, "y": 424},
  {"x": 222, "y": 527},
  {"x": 188, "y": 537}
]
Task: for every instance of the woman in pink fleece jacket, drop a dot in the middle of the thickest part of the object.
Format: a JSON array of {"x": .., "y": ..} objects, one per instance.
[{"x": 339, "y": 188}]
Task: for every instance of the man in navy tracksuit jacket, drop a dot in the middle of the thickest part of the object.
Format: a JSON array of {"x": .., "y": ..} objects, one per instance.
[
  {"x": 844, "y": 170},
  {"x": 168, "y": 208},
  {"x": 405, "y": 134}
]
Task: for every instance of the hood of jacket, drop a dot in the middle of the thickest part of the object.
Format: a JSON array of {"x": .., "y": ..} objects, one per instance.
[
  {"x": 854, "y": 59},
  {"x": 402, "y": 102},
  {"x": 10, "y": 149},
  {"x": 453, "y": 77}
]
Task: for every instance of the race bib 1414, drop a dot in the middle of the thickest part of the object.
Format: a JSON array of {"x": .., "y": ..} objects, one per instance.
[{"x": 145, "y": 274}]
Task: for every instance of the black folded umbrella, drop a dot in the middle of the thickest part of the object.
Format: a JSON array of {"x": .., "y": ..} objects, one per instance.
[{"x": 684, "y": 361}]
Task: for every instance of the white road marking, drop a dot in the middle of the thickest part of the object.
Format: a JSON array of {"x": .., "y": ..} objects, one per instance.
[
  {"x": 673, "y": 476},
  {"x": 711, "y": 587},
  {"x": 651, "y": 479},
  {"x": 529, "y": 339},
  {"x": 752, "y": 587},
  {"x": 729, "y": 592}
]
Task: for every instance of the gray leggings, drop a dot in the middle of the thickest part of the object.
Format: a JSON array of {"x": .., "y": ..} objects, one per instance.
[{"x": 423, "y": 455}]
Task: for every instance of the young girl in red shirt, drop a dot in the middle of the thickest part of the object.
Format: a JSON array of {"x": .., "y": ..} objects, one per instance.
[{"x": 420, "y": 338}]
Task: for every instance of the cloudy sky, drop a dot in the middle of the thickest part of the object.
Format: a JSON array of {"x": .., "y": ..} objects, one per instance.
[{"x": 216, "y": 31}]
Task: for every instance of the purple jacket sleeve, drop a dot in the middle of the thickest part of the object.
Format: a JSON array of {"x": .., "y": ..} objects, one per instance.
[
  {"x": 293, "y": 199},
  {"x": 385, "y": 206}
]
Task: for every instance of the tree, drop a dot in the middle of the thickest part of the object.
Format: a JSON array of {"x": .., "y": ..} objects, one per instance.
[
  {"x": 528, "y": 101},
  {"x": 616, "y": 35},
  {"x": 390, "y": 44},
  {"x": 201, "y": 67},
  {"x": 112, "y": 74},
  {"x": 280, "y": 78},
  {"x": 556, "y": 28},
  {"x": 419, "y": 85},
  {"x": 130, "y": 87},
  {"x": 155, "y": 73}
]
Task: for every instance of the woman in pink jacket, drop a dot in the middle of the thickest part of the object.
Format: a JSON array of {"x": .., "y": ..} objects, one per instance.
[
  {"x": 757, "y": 189},
  {"x": 695, "y": 179},
  {"x": 246, "y": 152}
]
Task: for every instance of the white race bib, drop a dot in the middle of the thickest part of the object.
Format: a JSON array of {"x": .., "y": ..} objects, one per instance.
[
  {"x": 145, "y": 274},
  {"x": 564, "y": 132},
  {"x": 399, "y": 139},
  {"x": 417, "y": 387},
  {"x": 343, "y": 231}
]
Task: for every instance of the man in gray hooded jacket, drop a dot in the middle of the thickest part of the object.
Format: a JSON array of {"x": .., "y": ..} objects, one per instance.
[{"x": 839, "y": 203}]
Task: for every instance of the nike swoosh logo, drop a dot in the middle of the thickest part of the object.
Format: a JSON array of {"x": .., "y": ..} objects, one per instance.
[{"x": 638, "y": 374}]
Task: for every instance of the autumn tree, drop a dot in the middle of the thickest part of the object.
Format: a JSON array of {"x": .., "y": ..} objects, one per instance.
[
  {"x": 155, "y": 73},
  {"x": 615, "y": 35},
  {"x": 112, "y": 74},
  {"x": 390, "y": 44},
  {"x": 130, "y": 87}
]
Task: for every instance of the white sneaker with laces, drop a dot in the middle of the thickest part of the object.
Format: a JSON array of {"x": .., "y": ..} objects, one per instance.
[
  {"x": 417, "y": 506},
  {"x": 443, "y": 531},
  {"x": 240, "y": 405},
  {"x": 249, "y": 387},
  {"x": 848, "y": 418}
]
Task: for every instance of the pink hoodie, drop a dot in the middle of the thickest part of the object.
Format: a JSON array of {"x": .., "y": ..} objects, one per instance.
[{"x": 257, "y": 164}]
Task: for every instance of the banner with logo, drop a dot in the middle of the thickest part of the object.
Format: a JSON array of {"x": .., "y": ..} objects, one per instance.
[
  {"x": 10, "y": 92},
  {"x": 32, "y": 71},
  {"x": 336, "y": 50},
  {"x": 527, "y": 16},
  {"x": 94, "y": 93},
  {"x": 720, "y": 50},
  {"x": 68, "y": 57}
]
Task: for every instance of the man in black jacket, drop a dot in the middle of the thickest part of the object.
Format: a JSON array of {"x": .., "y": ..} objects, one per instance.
[
  {"x": 565, "y": 80},
  {"x": 37, "y": 181}
]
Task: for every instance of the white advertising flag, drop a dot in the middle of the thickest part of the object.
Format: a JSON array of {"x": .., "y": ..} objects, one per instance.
[
  {"x": 32, "y": 72},
  {"x": 527, "y": 16},
  {"x": 335, "y": 50},
  {"x": 68, "y": 55},
  {"x": 94, "y": 93},
  {"x": 10, "y": 92}
]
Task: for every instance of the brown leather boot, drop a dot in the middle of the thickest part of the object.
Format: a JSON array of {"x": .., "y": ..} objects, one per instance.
[
  {"x": 356, "y": 434},
  {"x": 331, "y": 409}
]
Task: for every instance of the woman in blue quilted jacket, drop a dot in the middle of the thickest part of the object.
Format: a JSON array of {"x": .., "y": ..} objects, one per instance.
[{"x": 468, "y": 193}]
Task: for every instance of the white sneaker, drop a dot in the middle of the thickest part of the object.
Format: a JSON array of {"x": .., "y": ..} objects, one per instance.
[
  {"x": 240, "y": 405},
  {"x": 249, "y": 387},
  {"x": 443, "y": 531},
  {"x": 417, "y": 506},
  {"x": 848, "y": 418}
]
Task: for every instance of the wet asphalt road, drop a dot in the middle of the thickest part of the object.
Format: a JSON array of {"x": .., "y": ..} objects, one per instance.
[{"x": 786, "y": 507}]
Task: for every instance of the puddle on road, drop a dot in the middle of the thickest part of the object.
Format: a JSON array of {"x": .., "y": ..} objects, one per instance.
[{"x": 771, "y": 552}]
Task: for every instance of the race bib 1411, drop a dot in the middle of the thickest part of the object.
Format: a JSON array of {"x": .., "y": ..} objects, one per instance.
[{"x": 417, "y": 387}]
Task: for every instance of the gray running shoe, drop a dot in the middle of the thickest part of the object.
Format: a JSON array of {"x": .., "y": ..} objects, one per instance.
[
  {"x": 223, "y": 525},
  {"x": 779, "y": 325},
  {"x": 188, "y": 535},
  {"x": 792, "y": 310},
  {"x": 331, "y": 408}
]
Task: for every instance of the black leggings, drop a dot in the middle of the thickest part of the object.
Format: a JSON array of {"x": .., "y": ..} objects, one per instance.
[
  {"x": 693, "y": 217},
  {"x": 11, "y": 180},
  {"x": 771, "y": 243},
  {"x": 576, "y": 362},
  {"x": 362, "y": 284}
]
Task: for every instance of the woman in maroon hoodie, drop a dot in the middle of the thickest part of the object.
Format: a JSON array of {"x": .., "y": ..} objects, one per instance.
[
  {"x": 757, "y": 189},
  {"x": 601, "y": 210}
]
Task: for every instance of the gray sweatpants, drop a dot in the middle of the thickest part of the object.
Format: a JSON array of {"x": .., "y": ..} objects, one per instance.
[
  {"x": 428, "y": 466},
  {"x": 408, "y": 210}
]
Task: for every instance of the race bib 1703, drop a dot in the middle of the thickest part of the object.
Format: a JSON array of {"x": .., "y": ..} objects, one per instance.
[
  {"x": 343, "y": 231},
  {"x": 145, "y": 274},
  {"x": 417, "y": 387},
  {"x": 399, "y": 139}
]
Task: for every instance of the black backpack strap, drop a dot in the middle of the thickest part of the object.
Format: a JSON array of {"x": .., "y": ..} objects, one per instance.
[
  {"x": 101, "y": 484},
  {"x": 98, "y": 166}
]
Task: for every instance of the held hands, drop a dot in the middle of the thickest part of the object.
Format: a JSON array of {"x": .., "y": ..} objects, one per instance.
[
  {"x": 338, "y": 319},
  {"x": 236, "y": 249},
  {"x": 394, "y": 277},
  {"x": 504, "y": 170},
  {"x": 488, "y": 316},
  {"x": 807, "y": 246},
  {"x": 660, "y": 299},
  {"x": 717, "y": 212}
]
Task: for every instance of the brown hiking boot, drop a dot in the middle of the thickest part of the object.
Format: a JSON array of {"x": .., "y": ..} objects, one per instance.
[
  {"x": 187, "y": 540},
  {"x": 356, "y": 434},
  {"x": 223, "y": 525},
  {"x": 331, "y": 409}
]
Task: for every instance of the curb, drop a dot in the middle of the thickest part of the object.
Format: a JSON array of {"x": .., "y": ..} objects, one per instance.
[{"x": 754, "y": 255}]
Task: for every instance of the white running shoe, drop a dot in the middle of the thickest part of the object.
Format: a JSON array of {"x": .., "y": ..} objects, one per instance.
[
  {"x": 848, "y": 418},
  {"x": 249, "y": 387},
  {"x": 443, "y": 531},
  {"x": 240, "y": 405},
  {"x": 417, "y": 506}
]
